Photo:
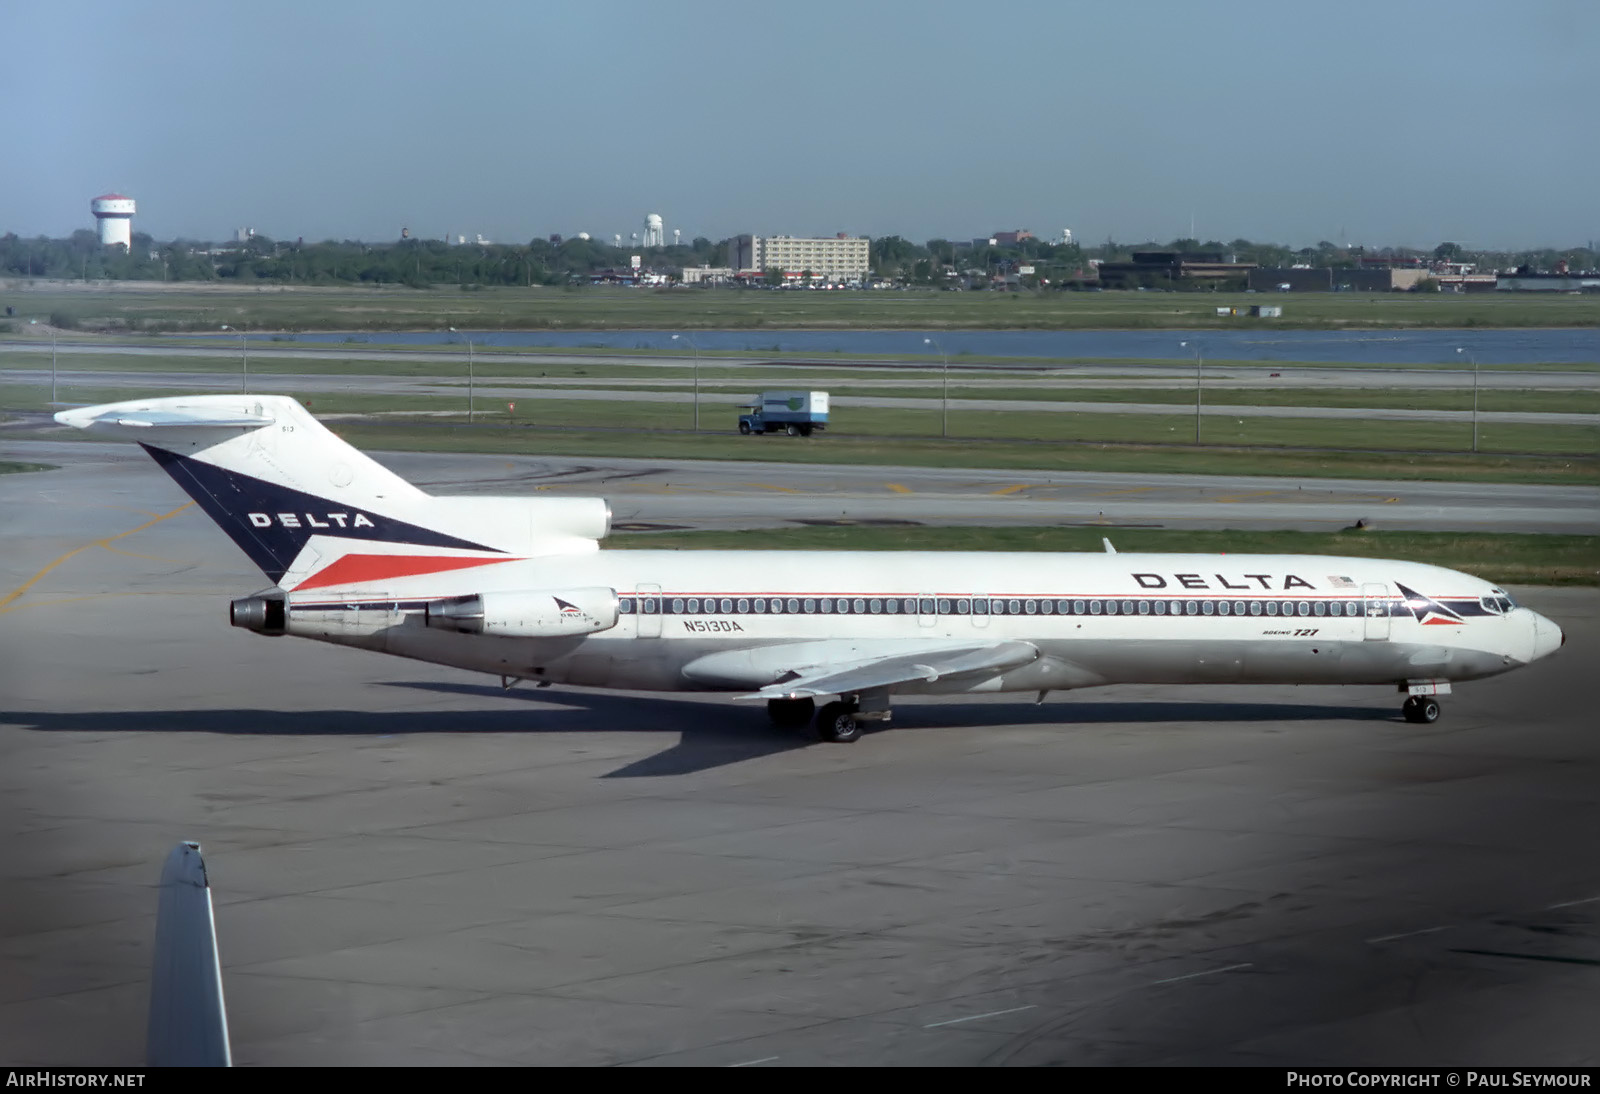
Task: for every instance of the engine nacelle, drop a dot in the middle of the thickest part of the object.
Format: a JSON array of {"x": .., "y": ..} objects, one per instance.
[
  {"x": 262, "y": 614},
  {"x": 546, "y": 613}
]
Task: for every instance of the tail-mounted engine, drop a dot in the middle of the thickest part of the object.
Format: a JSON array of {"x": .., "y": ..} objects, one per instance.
[
  {"x": 262, "y": 614},
  {"x": 559, "y": 613}
]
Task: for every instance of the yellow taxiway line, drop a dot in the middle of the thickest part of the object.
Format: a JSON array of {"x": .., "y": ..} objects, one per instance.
[{"x": 7, "y": 603}]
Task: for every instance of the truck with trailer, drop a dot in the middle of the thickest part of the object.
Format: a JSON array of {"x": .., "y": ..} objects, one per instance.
[{"x": 797, "y": 413}]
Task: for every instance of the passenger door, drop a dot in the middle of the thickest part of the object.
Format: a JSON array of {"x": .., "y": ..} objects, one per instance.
[{"x": 1375, "y": 612}]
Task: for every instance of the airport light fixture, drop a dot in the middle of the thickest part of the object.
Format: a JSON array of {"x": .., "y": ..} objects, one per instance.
[
  {"x": 244, "y": 358},
  {"x": 52, "y": 361},
  {"x": 1474, "y": 361},
  {"x": 944, "y": 387},
  {"x": 1199, "y": 363},
  {"x": 696, "y": 349},
  {"x": 469, "y": 375}
]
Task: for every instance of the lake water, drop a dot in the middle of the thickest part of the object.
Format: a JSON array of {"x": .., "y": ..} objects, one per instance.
[{"x": 1370, "y": 347}]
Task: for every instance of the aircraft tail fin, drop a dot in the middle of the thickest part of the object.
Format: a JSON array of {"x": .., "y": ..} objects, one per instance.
[{"x": 311, "y": 511}]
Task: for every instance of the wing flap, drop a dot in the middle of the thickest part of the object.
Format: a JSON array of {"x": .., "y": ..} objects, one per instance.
[{"x": 920, "y": 666}]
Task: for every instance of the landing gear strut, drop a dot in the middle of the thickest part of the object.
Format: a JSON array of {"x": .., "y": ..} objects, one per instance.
[
  {"x": 837, "y": 722},
  {"x": 790, "y": 713},
  {"x": 1421, "y": 709}
]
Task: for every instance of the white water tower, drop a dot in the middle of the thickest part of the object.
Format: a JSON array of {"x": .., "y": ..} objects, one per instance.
[
  {"x": 115, "y": 214},
  {"x": 654, "y": 236}
]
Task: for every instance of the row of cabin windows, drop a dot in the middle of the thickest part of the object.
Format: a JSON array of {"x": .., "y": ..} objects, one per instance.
[{"x": 910, "y": 605}]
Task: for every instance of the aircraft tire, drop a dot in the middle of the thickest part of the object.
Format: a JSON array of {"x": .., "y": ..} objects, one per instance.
[
  {"x": 1421, "y": 710},
  {"x": 790, "y": 713},
  {"x": 836, "y": 724}
]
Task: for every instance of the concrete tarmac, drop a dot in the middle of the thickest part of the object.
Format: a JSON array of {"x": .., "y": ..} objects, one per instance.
[
  {"x": 652, "y": 494},
  {"x": 414, "y": 867},
  {"x": 964, "y": 371}
]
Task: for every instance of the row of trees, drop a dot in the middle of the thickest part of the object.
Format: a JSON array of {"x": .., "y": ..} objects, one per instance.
[
  {"x": 421, "y": 263},
  {"x": 426, "y": 263}
]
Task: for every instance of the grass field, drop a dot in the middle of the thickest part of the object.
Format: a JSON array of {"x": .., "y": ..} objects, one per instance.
[
  {"x": 1503, "y": 559},
  {"x": 14, "y": 467},
  {"x": 433, "y": 436},
  {"x": 194, "y": 306},
  {"x": 866, "y": 424}
]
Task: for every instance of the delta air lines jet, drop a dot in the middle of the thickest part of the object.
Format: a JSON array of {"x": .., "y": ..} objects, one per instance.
[{"x": 519, "y": 587}]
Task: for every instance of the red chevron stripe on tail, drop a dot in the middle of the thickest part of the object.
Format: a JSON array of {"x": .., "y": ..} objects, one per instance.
[{"x": 359, "y": 569}]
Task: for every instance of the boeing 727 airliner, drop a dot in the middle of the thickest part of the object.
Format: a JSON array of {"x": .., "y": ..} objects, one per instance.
[{"x": 520, "y": 588}]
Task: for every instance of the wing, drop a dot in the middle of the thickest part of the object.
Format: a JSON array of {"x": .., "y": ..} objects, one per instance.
[
  {"x": 188, "y": 1021},
  {"x": 897, "y": 667}
]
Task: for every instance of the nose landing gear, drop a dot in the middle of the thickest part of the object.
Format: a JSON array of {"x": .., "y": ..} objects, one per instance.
[{"x": 1421, "y": 709}]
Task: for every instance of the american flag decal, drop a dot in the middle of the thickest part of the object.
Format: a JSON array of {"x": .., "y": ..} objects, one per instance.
[{"x": 1340, "y": 582}]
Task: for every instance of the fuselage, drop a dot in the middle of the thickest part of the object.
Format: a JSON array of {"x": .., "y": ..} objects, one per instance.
[{"x": 696, "y": 620}]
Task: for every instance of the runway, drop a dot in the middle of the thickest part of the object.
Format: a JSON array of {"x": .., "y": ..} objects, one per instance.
[
  {"x": 876, "y": 370},
  {"x": 414, "y": 867},
  {"x": 493, "y": 389},
  {"x": 648, "y": 494}
]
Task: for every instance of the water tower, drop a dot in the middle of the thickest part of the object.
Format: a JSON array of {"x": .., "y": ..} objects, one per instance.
[
  {"x": 115, "y": 214},
  {"x": 654, "y": 236}
]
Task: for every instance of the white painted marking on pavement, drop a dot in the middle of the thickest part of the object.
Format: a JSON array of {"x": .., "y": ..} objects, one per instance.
[
  {"x": 975, "y": 1017},
  {"x": 1208, "y": 972},
  {"x": 1405, "y": 934}
]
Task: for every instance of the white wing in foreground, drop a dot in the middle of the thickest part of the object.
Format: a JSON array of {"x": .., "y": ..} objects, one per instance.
[
  {"x": 188, "y": 1021},
  {"x": 894, "y": 669}
]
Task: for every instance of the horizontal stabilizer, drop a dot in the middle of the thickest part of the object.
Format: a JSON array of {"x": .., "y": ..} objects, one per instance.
[
  {"x": 122, "y": 417},
  {"x": 917, "y": 666}
]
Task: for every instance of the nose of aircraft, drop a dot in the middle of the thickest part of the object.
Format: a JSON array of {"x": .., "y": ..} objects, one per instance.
[{"x": 1547, "y": 637}]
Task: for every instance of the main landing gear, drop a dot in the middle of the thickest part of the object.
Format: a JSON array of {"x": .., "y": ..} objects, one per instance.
[
  {"x": 1421, "y": 709},
  {"x": 839, "y": 722},
  {"x": 790, "y": 713}
]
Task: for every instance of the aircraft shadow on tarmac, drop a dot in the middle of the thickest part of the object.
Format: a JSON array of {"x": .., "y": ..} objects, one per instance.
[{"x": 709, "y": 735}]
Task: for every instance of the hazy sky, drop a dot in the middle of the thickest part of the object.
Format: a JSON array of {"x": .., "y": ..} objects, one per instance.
[{"x": 1401, "y": 121}]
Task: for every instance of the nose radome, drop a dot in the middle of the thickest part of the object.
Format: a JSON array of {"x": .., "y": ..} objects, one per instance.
[{"x": 1547, "y": 637}]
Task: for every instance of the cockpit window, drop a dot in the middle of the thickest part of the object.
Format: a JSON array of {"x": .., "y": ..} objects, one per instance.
[
  {"x": 1490, "y": 604},
  {"x": 1504, "y": 602}
]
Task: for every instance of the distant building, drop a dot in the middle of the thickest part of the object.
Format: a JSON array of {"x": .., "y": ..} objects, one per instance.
[
  {"x": 839, "y": 258},
  {"x": 705, "y": 275},
  {"x": 1155, "y": 266},
  {"x": 1011, "y": 239},
  {"x": 1329, "y": 278},
  {"x": 1527, "y": 281}
]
